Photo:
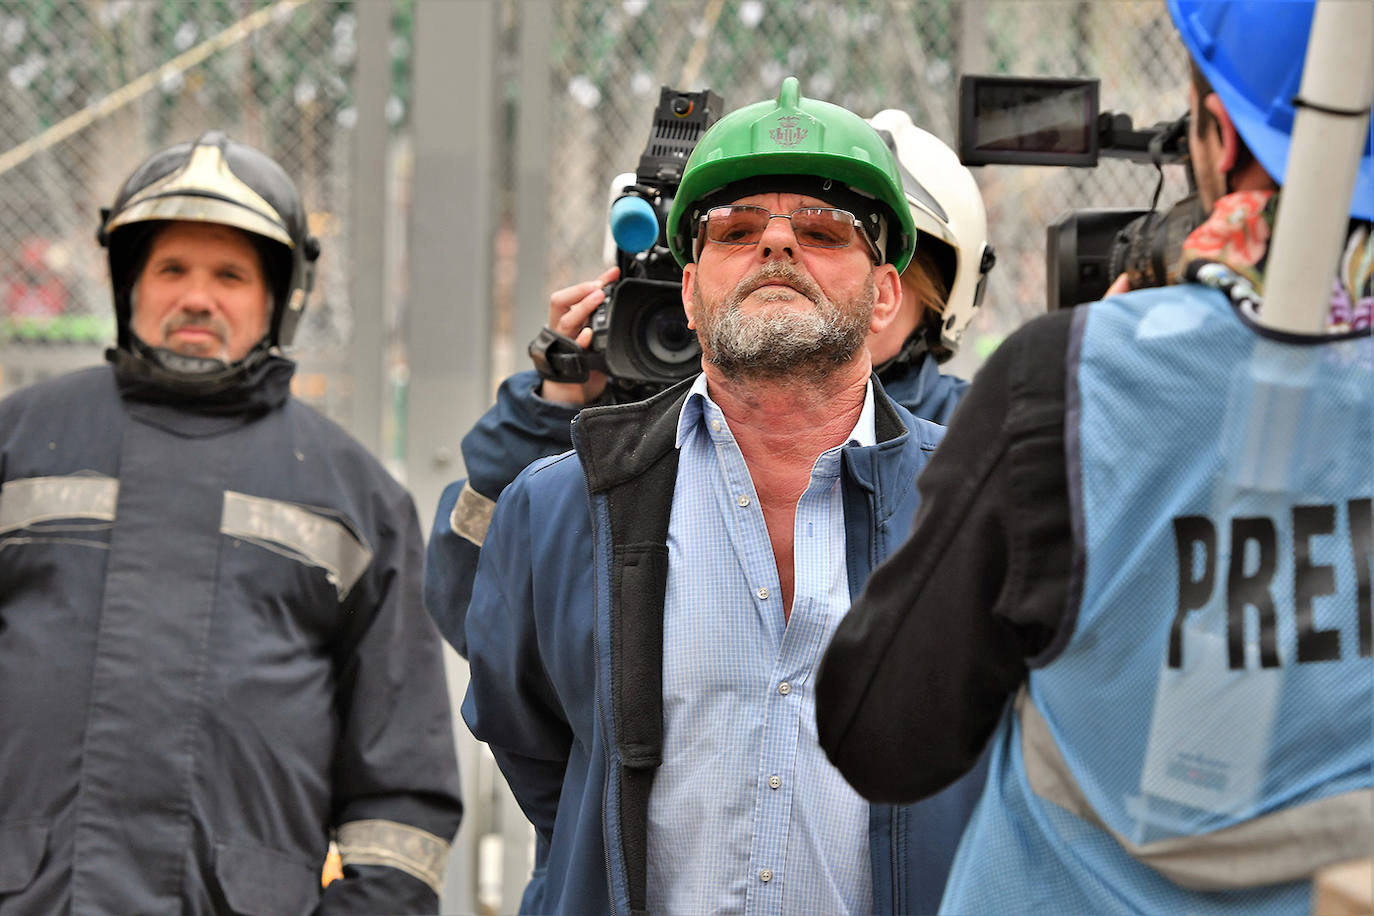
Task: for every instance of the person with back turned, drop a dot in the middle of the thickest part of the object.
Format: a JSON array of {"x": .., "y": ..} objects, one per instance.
[{"x": 1152, "y": 593}]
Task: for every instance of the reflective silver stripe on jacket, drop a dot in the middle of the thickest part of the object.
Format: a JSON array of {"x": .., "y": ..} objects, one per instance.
[
  {"x": 1286, "y": 845},
  {"x": 410, "y": 849},
  {"x": 41, "y": 499},
  {"x": 298, "y": 532},
  {"x": 471, "y": 515}
]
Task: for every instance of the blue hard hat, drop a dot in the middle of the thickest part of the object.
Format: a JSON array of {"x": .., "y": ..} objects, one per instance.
[{"x": 1252, "y": 52}]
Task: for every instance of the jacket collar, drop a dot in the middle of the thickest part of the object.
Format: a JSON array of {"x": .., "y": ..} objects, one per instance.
[{"x": 618, "y": 443}]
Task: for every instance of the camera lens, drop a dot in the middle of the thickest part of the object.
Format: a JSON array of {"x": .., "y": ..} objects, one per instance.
[
  {"x": 667, "y": 337},
  {"x": 647, "y": 337}
]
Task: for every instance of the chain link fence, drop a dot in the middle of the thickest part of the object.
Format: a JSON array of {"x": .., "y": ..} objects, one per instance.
[
  {"x": 88, "y": 88},
  {"x": 611, "y": 58}
]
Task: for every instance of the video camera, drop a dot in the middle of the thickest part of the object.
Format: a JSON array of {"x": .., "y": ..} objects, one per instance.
[
  {"x": 640, "y": 336},
  {"x": 1053, "y": 121}
]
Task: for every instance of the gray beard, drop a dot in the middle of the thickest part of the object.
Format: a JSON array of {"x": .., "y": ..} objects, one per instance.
[{"x": 775, "y": 343}]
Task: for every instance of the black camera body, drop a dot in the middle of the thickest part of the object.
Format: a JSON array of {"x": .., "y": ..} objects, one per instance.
[
  {"x": 1085, "y": 250},
  {"x": 640, "y": 336},
  {"x": 1052, "y": 121}
]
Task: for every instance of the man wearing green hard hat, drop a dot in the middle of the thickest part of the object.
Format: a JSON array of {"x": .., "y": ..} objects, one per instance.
[{"x": 644, "y": 629}]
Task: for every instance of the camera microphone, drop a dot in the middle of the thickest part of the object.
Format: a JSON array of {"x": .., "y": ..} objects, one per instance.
[
  {"x": 634, "y": 224},
  {"x": 640, "y": 335}
]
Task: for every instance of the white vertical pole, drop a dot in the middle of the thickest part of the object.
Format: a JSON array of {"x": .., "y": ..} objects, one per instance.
[{"x": 1314, "y": 209}]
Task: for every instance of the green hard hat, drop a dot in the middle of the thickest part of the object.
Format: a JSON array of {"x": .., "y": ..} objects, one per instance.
[{"x": 794, "y": 145}]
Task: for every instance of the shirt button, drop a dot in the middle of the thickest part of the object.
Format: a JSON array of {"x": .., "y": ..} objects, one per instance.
[
  {"x": 762, "y": 593},
  {"x": 743, "y": 501},
  {"x": 784, "y": 688},
  {"x": 766, "y": 875},
  {"x": 715, "y": 426},
  {"x": 774, "y": 782}
]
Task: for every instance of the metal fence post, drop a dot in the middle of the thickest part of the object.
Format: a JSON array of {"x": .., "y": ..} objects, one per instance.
[
  {"x": 973, "y": 39},
  {"x": 533, "y": 193},
  {"x": 448, "y": 324},
  {"x": 371, "y": 88},
  {"x": 533, "y": 199}
]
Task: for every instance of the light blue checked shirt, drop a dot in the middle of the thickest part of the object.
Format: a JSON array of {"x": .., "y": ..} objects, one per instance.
[{"x": 746, "y": 814}]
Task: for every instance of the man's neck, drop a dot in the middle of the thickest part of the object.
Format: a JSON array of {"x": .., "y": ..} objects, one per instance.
[
  {"x": 791, "y": 418},
  {"x": 782, "y": 425}
]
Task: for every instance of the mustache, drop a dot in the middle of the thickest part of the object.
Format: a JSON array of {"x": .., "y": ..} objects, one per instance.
[
  {"x": 178, "y": 320},
  {"x": 772, "y": 272}
]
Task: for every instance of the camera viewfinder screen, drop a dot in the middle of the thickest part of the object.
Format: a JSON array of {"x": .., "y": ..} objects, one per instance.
[{"x": 1016, "y": 121}]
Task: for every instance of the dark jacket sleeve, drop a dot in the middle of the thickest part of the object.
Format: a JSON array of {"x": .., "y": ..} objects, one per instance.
[
  {"x": 451, "y": 561},
  {"x": 397, "y": 801},
  {"x": 519, "y": 429},
  {"x": 370, "y": 889},
  {"x": 511, "y": 702},
  {"x": 919, "y": 671}
]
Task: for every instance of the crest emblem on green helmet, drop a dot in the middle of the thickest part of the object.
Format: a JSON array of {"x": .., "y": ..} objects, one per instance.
[{"x": 787, "y": 133}]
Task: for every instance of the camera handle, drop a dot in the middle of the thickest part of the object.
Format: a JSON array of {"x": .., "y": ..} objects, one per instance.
[
  {"x": 1159, "y": 179},
  {"x": 1174, "y": 137},
  {"x": 558, "y": 358}
]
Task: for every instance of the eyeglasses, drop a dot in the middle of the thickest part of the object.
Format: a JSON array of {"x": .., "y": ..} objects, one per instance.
[{"x": 814, "y": 227}]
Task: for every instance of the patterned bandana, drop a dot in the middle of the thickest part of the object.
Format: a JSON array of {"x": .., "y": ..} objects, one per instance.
[{"x": 1237, "y": 233}]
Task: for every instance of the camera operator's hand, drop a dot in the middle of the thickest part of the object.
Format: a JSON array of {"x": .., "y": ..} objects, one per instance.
[
  {"x": 1122, "y": 284},
  {"x": 570, "y": 308}
]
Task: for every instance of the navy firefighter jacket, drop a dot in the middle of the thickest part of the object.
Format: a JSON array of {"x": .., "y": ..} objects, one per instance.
[{"x": 213, "y": 658}]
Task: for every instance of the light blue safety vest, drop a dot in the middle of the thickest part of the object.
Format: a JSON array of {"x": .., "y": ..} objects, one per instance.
[{"x": 1205, "y": 741}]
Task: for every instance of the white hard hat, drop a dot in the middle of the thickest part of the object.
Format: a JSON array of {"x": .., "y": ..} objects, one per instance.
[{"x": 951, "y": 224}]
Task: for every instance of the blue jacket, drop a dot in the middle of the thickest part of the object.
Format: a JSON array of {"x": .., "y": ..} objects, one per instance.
[
  {"x": 520, "y": 428},
  {"x": 523, "y": 427},
  {"x": 1239, "y": 761},
  {"x": 564, "y": 637},
  {"x": 923, "y": 389}
]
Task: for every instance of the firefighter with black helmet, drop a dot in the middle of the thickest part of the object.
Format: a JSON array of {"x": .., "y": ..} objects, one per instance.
[
  {"x": 214, "y": 181},
  {"x": 212, "y": 650}
]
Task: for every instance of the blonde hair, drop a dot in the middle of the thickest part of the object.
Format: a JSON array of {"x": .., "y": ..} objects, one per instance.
[{"x": 924, "y": 275}]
